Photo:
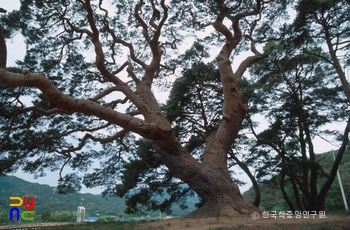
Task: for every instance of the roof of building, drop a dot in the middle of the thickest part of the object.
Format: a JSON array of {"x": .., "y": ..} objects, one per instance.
[{"x": 91, "y": 219}]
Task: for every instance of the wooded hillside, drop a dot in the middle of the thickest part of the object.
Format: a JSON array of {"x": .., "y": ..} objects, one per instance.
[
  {"x": 273, "y": 199},
  {"x": 47, "y": 200}
]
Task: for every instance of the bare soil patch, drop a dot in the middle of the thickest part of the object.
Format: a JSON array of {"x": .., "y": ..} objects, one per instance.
[{"x": 245, "y": 222}]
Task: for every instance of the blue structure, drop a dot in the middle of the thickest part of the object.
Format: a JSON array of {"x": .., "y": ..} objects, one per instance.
[{"x": 91, "y": 219}]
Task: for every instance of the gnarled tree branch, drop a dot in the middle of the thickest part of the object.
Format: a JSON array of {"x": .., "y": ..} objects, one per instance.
[{"x": 70, "y": 104}]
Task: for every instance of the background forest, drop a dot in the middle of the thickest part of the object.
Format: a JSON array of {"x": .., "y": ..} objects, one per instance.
[
  {"x": 250, "y": 83},
  {"x": 53, "y": 207}
]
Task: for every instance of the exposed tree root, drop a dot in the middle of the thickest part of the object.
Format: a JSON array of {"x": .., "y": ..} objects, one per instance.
[{"x": 229, "y": 206}]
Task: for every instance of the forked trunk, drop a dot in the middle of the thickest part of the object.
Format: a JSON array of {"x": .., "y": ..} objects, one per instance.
[
  {"x": 209, "y": 179},
  {"x": 225, "y": 201}
]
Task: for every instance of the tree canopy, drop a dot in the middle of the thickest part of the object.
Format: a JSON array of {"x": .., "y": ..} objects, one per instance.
[
  {"x": 304, "y": 88},
  {"x": 85, "y": 91}
]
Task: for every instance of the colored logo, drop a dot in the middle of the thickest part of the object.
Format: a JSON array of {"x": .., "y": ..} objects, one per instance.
[{"x": 16, "y": 201}]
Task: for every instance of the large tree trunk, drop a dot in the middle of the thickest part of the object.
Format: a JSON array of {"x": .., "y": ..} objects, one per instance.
[
  {"x": 209, "y": 179},
  {"x": 221, "y": 196},
  {"x": 3, "y": 50}
]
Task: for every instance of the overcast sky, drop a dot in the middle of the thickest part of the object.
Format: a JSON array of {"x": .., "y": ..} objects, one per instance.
[
  {"x": 15, "y": 46},
  {"x": 16, "y": 51}
]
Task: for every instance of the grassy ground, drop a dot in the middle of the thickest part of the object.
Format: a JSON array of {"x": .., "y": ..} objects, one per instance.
[{"x": 133, "y": 226}]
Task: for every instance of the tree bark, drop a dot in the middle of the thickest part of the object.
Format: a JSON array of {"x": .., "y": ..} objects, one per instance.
[
  {"x": 213, "y": 183},
  {"x": 3, "y": 49},
  {"x": 256, "y": 188},
  {"x": 327, "y": 185},
  {"x": 284, "y": 193},
  {"x": 336, "y": 63},
  {"x": 211, "y": 179}
]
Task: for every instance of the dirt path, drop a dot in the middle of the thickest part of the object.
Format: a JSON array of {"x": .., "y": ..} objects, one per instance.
[
  {"x": 35, "y": 225},
  {"x": 330, "y": 222}
]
